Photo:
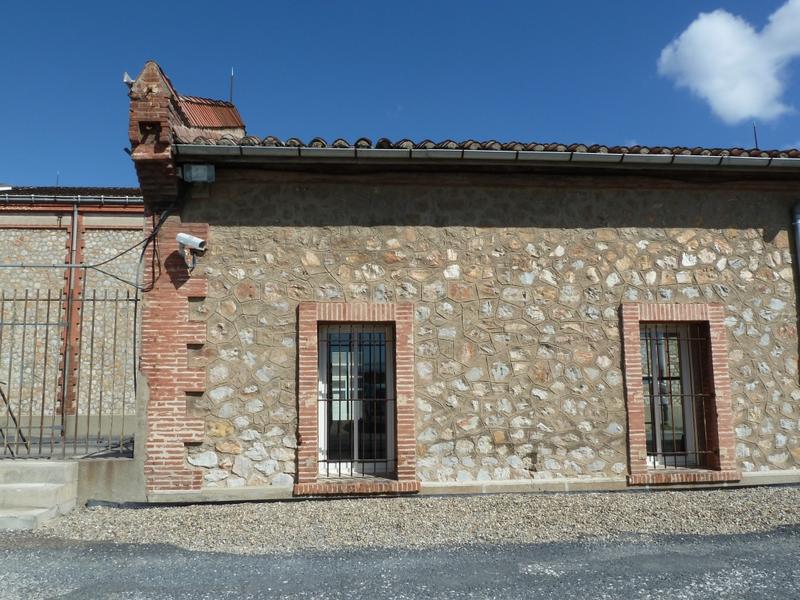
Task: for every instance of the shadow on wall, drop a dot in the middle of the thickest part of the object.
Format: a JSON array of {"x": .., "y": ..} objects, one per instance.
[
  {"x": 175, "y": 265},
  {"x": 315, "y": 202}
]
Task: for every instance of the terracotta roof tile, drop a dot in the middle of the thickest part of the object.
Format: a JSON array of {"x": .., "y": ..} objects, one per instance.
[
  {"x": 210, "y": 114},
  {"x": 407, "y": 144}
]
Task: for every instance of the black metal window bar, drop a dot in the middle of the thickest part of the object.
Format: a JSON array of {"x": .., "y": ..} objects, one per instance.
[
  {"x": 678, "y": 394},
  {"x": 356, "y": 400},
  {"x": 61, "y": 397}
]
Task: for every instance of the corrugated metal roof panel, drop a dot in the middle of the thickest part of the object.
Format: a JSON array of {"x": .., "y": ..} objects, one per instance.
[{"x": 210, "y": 114}]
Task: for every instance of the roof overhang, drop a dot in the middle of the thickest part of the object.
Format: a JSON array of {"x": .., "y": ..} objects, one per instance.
[
  {"x": 100, "y": 200},
  {"x": 463, "y": 157}
]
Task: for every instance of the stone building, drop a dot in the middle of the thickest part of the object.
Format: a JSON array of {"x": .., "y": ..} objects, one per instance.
[{"x": 403, "y": 317}]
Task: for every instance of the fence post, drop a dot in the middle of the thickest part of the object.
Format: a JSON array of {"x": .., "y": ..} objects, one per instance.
[{"x": 72, "y": 313}]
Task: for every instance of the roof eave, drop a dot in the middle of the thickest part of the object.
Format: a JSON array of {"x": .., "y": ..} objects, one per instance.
[
  {"x": 17, "y": 198},
  {"x": 305, "y": 154}
]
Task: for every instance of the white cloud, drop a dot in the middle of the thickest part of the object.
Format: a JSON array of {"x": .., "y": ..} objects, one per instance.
[{"x": 739, "y": 71}]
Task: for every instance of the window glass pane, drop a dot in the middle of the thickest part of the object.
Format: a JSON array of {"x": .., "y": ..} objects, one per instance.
[{"x": 339, "y": 359}]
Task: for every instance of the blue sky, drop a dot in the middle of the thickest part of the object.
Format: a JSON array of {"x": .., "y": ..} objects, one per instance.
[{"x": 581, "y": 71}]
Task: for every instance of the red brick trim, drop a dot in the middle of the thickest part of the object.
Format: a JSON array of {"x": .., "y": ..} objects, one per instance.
[
  {"x": 310, "y": 314},
  {"x": 720, "y": 428},
  {"x": 70, "y": 354},
  {"x": 166, "y": 334},
  {"x": 678, "y": 476},
  {"x": 353, "y": 488}
]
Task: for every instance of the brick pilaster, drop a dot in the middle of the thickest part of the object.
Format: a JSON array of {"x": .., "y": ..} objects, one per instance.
[
  {"x": 634, "y": 390},
  {"x": 73, "y": 309},
  {"x": 166, "y": 335}
]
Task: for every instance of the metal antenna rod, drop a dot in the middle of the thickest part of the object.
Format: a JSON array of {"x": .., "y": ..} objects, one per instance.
[
  {"x": 755, "y": 134},
  {"x": 230, "y": 95}
]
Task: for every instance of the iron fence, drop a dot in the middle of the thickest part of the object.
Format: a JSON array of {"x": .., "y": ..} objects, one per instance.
[{"x": 67, "y": 372}]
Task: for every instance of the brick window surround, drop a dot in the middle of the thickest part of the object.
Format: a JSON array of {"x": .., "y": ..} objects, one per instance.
[
  {"x": 310, "y": 316},
  {"x": 719, "y": 427}
]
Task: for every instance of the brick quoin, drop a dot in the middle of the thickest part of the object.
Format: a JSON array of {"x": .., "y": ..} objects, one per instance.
[
  {"x": 167, "y": 332},
  {"x": 309, "y": 317},
  {"x": 719, "y": 418},
  {"x": 166, "y": 336}
]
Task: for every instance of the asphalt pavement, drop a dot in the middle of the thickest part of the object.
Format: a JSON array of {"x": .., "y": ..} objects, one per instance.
[{"x": 762, "y": 565}]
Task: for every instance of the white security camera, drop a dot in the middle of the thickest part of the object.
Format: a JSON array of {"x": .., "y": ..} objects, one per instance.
[
  {"x": 194, "y": 244},
  {"x": 191, "y": 242}
]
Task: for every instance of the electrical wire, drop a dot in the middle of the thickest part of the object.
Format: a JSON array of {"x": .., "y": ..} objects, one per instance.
[
  {"x": 144, "y": 243},
  {"x": 151, "y": 237}
]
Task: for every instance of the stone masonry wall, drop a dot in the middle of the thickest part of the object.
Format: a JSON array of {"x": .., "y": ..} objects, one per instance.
[
  {"x": 33, "y": 382},
  {"x": 107, "y": 369},
  {"x": 39, "y": 246},
  {"x": 29, "y": 390},
  {"x": 517, "y": 293}
]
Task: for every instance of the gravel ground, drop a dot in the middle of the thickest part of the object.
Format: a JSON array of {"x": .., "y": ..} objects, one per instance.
[{"x": 424, "y": 522}]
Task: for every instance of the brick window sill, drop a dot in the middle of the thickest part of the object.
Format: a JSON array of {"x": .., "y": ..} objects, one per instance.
[
  {"x": 680, "y": 476},
  {"x": 355, "y": 487}
]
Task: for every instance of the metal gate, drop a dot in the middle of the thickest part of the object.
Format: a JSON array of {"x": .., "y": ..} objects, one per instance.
[{"x": 67, "y": 372}]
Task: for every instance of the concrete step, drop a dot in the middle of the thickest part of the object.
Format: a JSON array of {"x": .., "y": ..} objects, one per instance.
[
  {"x": 38, "y": 495},
  {"x": 25, "y": 518},
  {"x": 38, "y": 471}
]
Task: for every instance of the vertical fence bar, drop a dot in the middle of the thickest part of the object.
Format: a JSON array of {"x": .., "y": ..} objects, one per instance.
[
  {"x": 102, "y": 369},
  {"x": 68, "y": 299},
  {"x": 82, "y": 311},
  {"x": 6, "y": 400},
  {"x": 44, "y": 372},
  {"x": 58, "y": 395},
  {"x": 21, "y": 390},
  {"x": 10, "y": 418},
  {"x": 125, "y": 362},
  {"x": 91, "y": 373},
  {"x": 113, "y": 371},
  {"x": 33, "y": 371}
]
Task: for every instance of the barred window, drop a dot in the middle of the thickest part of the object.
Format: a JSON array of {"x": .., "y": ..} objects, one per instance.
[
  {"x": 356, "y": 400},
  {"x": 678, "y": 394}
]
